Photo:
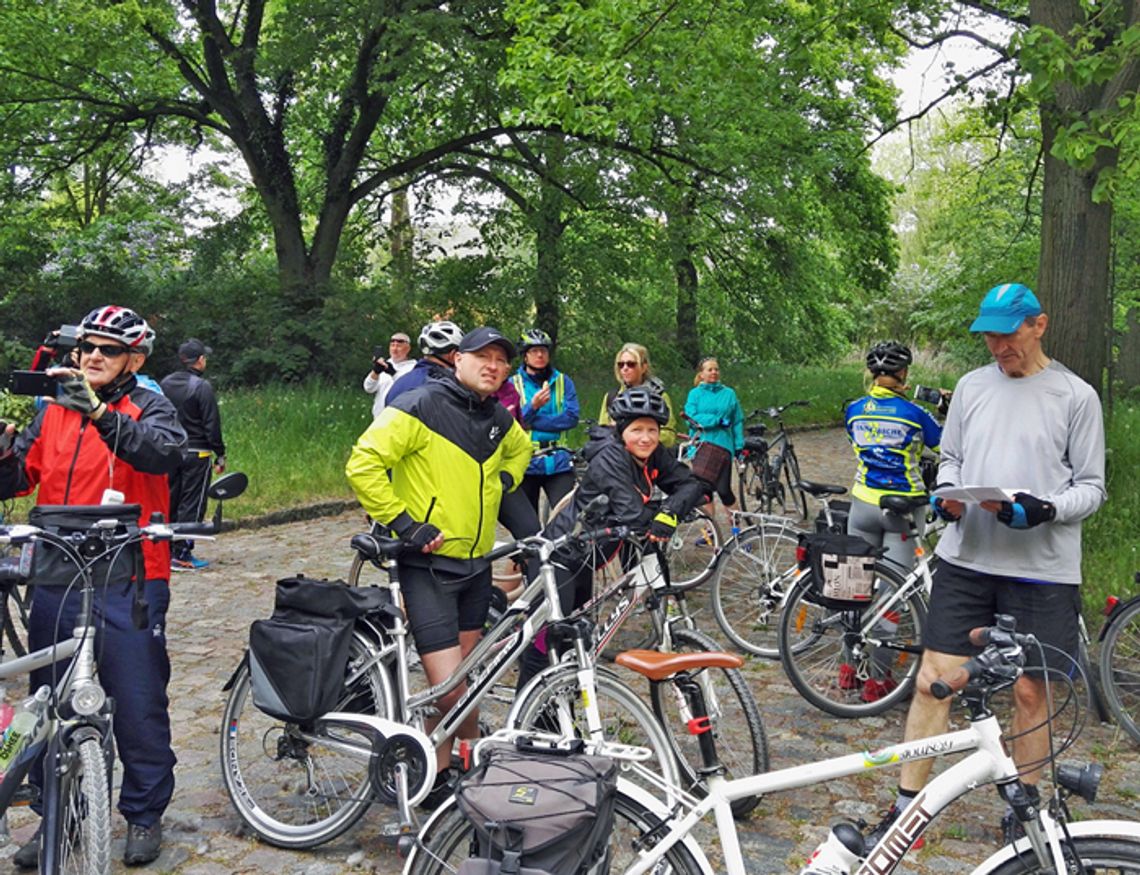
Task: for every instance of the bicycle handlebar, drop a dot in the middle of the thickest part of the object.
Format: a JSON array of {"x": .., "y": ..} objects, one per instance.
[
  {"x": 21, "y": 533},
  {"x": 1000, "y": 664},
  {"x": 775, "y": 411}
]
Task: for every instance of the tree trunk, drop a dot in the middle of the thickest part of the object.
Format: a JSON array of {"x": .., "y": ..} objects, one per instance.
[
  {"x": 681, "y": 249},
  {"x": 549, "y": 226},
  {"x": 1073, "y": 271},
  {"x": 401, "y": 237}
]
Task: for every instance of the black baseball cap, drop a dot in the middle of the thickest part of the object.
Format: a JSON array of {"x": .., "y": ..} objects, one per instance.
[
  {"x": 192, "y": 350},
  {"x": 478, "y": 338}
]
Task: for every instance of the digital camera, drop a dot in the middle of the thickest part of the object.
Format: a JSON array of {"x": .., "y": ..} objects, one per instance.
[{"x": 927, "y": 395}]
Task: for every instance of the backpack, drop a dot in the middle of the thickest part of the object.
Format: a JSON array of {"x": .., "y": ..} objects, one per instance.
[
  {"x": 538, "y": 810},
  {"x": 298, "y": 657}
]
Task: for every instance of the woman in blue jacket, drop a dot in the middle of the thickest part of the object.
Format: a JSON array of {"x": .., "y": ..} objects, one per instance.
[{"x": 715, "y": 408}]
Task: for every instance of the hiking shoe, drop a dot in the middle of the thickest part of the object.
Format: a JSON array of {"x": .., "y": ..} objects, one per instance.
[
  {"x": 443, "y": 787},
  {"x": 143, "y": 844},
  {"x": 884, "y": 826},
  {"x": 191, "y": 564},
  {"x": 28, "y": 856},
  {"x": 848, "y": 679},
  {"x": 876, "y": 688}
]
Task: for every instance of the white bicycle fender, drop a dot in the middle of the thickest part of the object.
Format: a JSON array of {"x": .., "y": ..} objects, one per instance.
[{"x": 1124, "y": 829}]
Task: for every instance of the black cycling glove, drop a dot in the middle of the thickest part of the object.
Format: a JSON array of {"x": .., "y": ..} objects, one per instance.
[
  {"x": 507, "y": 480},
  {"x": 940, "y": 509},
  {"x": 663, "y": 526},
  {"x": 416, "y": 535},
  {"x": 76, "y": 393},
  {"x": 1026, "y": 511}
]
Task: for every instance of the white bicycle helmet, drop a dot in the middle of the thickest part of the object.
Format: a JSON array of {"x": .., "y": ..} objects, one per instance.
[
  {"x": 438, "y": 338},
  {"x": 120, "y": 323}
]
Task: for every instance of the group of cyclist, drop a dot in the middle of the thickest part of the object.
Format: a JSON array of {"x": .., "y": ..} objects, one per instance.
[{"x": 1022, "y": 421}]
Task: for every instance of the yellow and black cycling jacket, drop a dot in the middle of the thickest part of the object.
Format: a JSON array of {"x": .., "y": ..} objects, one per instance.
[{"x": 445, "y": 449}]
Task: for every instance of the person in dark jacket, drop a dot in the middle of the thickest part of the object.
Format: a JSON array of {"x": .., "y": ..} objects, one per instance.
[
  {"x": 439, "y": 343},
  {"x": 193, "y": 398},
  {"x": 103, "y": 434},
  {"x": 625, "y": 463}
]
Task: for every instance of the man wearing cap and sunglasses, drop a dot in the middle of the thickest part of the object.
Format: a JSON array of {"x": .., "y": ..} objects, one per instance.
[
  {"x": 193, "y": 398},
  {"x": 451, "y": 450},
  {"x": 1024, "y": 422},
  {"x": 385, "y": 372}
]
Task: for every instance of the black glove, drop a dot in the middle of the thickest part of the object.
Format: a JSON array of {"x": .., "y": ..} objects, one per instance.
[
  {"x": 415, "y": 535},
  {"x": 75, "y": 393},
  {"x": 507, "y": 480},
  {"x": 1026, "y": 511},
  {"x": 663, "y": 526},
  {"x": 941, "y": 511},
  {"x": 380, "y": 366}
]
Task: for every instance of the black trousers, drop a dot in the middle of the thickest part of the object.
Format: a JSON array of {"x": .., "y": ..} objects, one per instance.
[{"x": 188, "y": 495}]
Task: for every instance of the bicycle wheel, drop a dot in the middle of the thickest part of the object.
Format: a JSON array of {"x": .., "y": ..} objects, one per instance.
[
  {"x": 451, "y": 840},
  {"x": 1120, "y": 668},
  {"x": 746, "y": 480},
  {"x": 691, "y": 550},
  {"x": 17, "y": 601},
  {"x": 83, "y": 845},
  {"x": 796, "y": 497},
  {"x": 297, "y": 788},
  {"x": 550, "y": 704},
  {"x": 1107, "y": 854},
  {"x": 750, "y": 585},
  {"x": 832, "y": 658},
  {"x": 741, "y": 742}
]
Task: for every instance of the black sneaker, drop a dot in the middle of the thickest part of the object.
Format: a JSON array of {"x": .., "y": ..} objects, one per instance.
[
  {"x": 884, "y": 826},
  {"x": 28, "y": 856},
  {"x": 443, "y": 788},
  {"x": 143, "y": 844}
]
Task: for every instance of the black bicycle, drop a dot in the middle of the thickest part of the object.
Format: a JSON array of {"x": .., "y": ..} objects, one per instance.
[
  {"x": 1120, "y": 662},
  {"x": 767, "y": 469}
]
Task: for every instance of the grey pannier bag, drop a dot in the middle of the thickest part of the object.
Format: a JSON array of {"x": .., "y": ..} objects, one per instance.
[{"x": 538, "y": 811}]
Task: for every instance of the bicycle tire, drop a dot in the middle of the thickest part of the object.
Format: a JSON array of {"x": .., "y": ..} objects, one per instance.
[
  {"x": 746, "y": 477},
  {"x": 289, "y": 790},
  {"x": 816, "y": 649},
  {"x": 750, "y": 584},
  {"x": 792, "y": 476},
  {"x": 83, "y": 845},
  {"x": 692, "y": 550},
  {"x": 1120, "y": 668},
  {"x": 451, "y": 839},
  {"x": 1098, "y": 854},
  {"x": 15, "y": 626},
  {"x": 551, "y": 699},
  {"x": 733, "y": 710}
]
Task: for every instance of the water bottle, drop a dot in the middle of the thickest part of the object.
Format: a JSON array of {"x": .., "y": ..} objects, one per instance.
[
  {"x": 839, "y": 853},
  {"x": 23, "y": 726}
]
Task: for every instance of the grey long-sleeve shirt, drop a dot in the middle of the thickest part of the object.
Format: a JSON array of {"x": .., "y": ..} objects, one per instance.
[{"x": 1042, "y": 434}]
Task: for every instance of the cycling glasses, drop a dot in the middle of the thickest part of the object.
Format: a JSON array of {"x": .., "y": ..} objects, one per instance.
[
  {"x": 109, "y": 350},
  {"x": 629, "y": 364}
]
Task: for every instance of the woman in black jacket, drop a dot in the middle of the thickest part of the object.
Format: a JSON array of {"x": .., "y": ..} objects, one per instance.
[{"x": 626, "y": 463}]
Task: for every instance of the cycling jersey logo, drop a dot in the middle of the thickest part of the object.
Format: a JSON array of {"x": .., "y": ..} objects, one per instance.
[{"x": 493, "y": 434}]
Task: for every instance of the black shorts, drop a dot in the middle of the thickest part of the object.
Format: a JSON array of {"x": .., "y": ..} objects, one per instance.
[
  {"x": 963, "y": 599},
  {"x": 440, "y": 605}
]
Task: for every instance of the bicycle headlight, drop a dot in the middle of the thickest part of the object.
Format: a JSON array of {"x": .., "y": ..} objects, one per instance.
[{"x": 88, "y": 699}]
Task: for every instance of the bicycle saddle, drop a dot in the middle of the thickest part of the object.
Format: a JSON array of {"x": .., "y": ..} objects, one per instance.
[
  {"x": 818, "y": 489},
  {"x": 659, "y": 666},
  {"x": 902, "y": 504}
]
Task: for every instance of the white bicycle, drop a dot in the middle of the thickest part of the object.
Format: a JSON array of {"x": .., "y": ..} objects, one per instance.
[{"x": 649, "y": 838}]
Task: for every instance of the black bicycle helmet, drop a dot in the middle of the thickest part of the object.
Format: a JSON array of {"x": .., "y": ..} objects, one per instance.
[
  {"x": 635, "y": 403},
  {"x": 534, "y": 337},
  {"x": 438, "y": 338},
  {"x": 120, "y": 323},
  {"x": 888, "y": 357}
]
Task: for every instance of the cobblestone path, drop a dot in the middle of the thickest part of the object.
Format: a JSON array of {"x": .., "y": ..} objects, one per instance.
[{"x": 209, "y": 618}]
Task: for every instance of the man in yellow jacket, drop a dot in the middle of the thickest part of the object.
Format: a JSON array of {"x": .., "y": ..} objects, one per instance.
[{"x": 451, "y": 450}]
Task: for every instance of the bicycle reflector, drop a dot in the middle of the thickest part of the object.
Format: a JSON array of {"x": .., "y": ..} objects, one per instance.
[{"x": 1110, "y": 604}]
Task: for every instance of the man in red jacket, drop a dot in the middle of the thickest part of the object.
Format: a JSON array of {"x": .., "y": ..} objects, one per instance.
[{"x": 103, "y": 434}]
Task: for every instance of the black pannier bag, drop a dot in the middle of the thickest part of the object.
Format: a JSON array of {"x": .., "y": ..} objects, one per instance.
[
  {"x": 539, "y": 812},
  {"x": 298, "y": 657},
  {"x": 841, "y": 569},
  {"x": 110, "y": 564}
]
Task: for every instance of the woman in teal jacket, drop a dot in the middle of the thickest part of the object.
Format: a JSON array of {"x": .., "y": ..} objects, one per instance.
[{"x": 715, "y": 408}]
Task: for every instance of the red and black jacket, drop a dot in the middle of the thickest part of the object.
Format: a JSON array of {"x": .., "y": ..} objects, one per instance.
[{"x": 132, "y": 448}]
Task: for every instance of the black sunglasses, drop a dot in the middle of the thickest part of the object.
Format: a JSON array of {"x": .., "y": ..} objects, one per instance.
[{"x": 109, "y": 350}]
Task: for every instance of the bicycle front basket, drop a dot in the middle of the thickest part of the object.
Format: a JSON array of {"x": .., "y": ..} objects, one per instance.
[{"x": 841, "y": 569}]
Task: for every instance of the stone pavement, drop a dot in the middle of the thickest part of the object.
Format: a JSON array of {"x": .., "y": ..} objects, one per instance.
[{"x": 208, "y": 623}]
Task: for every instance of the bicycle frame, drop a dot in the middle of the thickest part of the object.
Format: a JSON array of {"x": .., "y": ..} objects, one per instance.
[{"x": 987, "y": 763}]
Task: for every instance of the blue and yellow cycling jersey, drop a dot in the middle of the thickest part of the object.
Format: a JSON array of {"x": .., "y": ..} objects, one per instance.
[{"x": 888, "y": 433}]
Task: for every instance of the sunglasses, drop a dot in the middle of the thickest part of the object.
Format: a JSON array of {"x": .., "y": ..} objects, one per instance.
[
  {"x": 397, "y": 340},
  {"x": 109, "y": 350},
  {"x": 629, "y": 364}
]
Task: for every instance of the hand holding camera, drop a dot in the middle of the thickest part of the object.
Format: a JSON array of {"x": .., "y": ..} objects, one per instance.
[
  {"x": 76, "y": 393},
  {"x": 940, "y": 398}
]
